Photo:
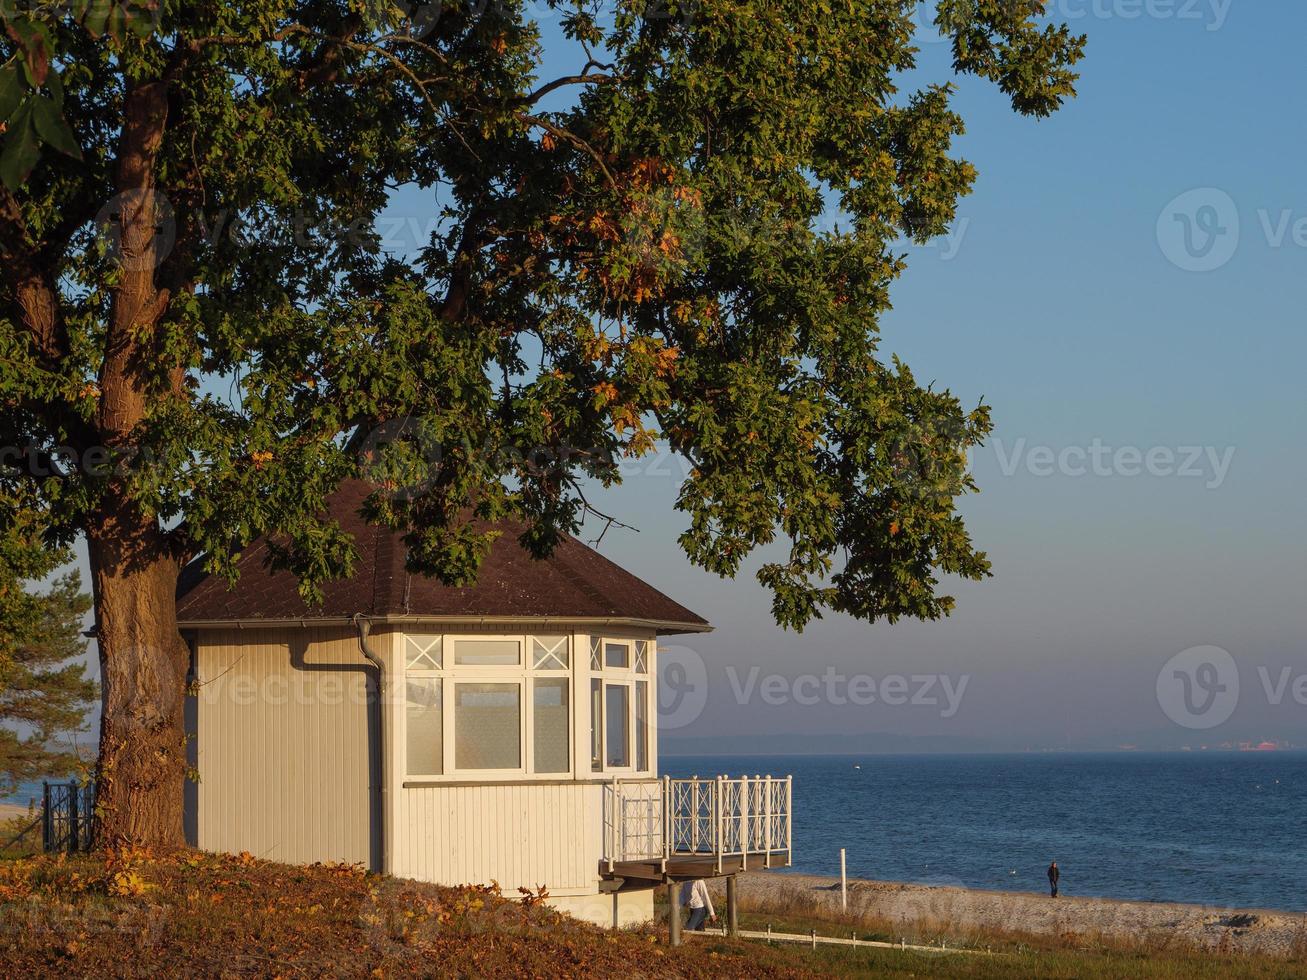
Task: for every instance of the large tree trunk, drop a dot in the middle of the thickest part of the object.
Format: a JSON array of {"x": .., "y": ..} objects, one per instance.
[
  {"x": 143, "y": 665},
  {"x": 143, "y": 659}
]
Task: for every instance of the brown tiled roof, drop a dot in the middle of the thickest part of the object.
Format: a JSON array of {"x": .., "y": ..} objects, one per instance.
[{"x": 575, "y": 582}]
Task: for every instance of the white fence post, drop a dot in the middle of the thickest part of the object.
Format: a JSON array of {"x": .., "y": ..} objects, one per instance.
[
  {"x": 844, "y": 883},
  {"x": 789, "y": 819},
  {"x": 717, "y": 822},
  {"x": 744, "y": 820},
  {"x": 667, "y": 820}
]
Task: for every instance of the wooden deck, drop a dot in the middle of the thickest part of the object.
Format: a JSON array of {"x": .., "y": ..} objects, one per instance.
[
  {"x": 664, "y": 831},
  {"x": 687, "y": 867}
]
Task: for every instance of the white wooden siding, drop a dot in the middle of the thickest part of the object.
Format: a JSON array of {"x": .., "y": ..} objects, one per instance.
[
  {"x": 517, "y": 834},
  {"x": 284, "y": 753}
]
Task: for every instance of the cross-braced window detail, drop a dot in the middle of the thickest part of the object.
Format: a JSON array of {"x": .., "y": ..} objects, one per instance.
[
  {"x": 549, "y": 652},
  {"x": 642, "y": 656},
  {"x": 596, "y": 653},
  {"x": 423, "y": 652}
]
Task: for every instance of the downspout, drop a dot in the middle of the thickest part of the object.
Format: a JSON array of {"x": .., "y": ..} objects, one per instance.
[{"x": 364, "y": 626}]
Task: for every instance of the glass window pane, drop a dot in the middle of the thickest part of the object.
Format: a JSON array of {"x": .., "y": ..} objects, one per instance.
[
  {"x": 549, "y": 652},
  {"x": 595, "y": 662},
  {"x": 487, "y": 726},
  {"x": 641, "y": 725},
  {"x": 596, "y": 725},
  {"x": 483, "y": 653},
  {"x": 642, "y": 656},
  {"x": 422, "y": 651},
  {"x": 551, "y": 741},
  {"x": 425, "y": 727},
  {"x": 616, "y": 708},
  {"x": 617, "y": 655}
]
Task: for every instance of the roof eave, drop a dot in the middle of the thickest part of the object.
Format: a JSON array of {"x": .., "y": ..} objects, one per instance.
[{"x": 662, "y": 627}]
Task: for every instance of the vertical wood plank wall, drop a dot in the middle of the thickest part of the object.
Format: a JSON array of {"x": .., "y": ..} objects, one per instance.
[
  {"x": 518, "y": 835},
  {"x": 284, "y": 752}
]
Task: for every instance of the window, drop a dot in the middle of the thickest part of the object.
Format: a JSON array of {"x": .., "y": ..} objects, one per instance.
[
  {"x": 487, "y": 726},
  {"x": 621, "y": 708},
  {"x": 549, "y": 652},
  {"x": 426, "y": 727},
  {"x": 549, "y": 709},
  {"x": 487, "y": 653},
  {"x": 487, "y": 705},
  {"x": 617, "y": 655},
  {"x": 422, "y": 652},
  {"x": 596, "y": 725},
  {"x": 617, "y": 716},
  {"x": 641, "y": 725}
]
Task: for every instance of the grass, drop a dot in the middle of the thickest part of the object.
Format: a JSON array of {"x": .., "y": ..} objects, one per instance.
[
  {"x": 994, "y": 956},
  {"x": 11, "y": 828}
]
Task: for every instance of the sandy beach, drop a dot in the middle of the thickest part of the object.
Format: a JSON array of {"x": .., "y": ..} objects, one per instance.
[
  {"x": 11, "y": 811},
  {"x": 963, "y": 911}
]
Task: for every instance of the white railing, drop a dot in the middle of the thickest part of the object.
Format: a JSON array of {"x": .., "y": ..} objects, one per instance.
[{"x": 719, "y": 817}]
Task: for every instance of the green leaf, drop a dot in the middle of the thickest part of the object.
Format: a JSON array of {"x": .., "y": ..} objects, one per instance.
[
  {"x": 97, "y": 16},
  {"x": 22, "y": 148},
  {"x": 12, "y": 90},
  {"x": 33, "y": 39},
  {"x": 55, "y": 86},
  {"x": 141, "y": 18},
  {"x": 52, "y": 127}
]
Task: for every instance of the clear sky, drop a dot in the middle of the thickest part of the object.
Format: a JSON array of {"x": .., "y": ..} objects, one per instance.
[{"x": 1108, "y": 343}]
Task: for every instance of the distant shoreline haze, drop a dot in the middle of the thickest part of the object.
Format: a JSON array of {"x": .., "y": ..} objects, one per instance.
[{"x": 877, "y": 743}]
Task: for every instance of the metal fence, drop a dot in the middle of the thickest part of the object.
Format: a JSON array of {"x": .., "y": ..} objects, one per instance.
[
  {"x": 68, "y": 816},
  {"x": 649, "y": 819}
]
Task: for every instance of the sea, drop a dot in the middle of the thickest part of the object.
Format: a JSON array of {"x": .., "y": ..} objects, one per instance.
[
  {"x": 1227, "y": 830},
  {"x": 25, "y": 793}
]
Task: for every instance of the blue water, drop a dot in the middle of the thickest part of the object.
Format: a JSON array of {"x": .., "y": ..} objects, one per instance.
[
  {"x": 1214, "y": 829},
  {"x": 25, "y": 792}
]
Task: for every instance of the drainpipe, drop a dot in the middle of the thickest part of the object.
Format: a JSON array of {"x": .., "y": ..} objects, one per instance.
[{"x": 364, "y": 626}]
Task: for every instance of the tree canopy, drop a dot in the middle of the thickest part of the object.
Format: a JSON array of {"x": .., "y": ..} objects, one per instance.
[
  {"x": 44, "y": 691},
  {"x": 645, "y": 260}
]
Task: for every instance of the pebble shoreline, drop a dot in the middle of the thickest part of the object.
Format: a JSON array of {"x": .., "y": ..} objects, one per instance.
[{"x": 967, "y": 911}]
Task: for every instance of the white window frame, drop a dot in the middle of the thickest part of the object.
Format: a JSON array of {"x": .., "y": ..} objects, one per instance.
[
  {"x": 523, "y": 674},
  {"x": 626, "y": 677}
]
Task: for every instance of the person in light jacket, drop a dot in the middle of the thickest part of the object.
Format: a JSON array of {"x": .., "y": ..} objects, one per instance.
[{"x": 695, "y": 897}]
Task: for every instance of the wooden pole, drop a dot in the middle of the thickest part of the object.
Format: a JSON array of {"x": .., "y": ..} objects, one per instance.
[
  {"x": 732, "y": 907},
  {"x": 47, "y": 819},
  {"x": 673, "y": 914},
  {"x": 844, "y": 884}
]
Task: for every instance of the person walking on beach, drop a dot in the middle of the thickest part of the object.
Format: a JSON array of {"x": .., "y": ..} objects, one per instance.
[
  {"x": 1053, "y": 875},
  {"x": 694, "y": 896}
]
